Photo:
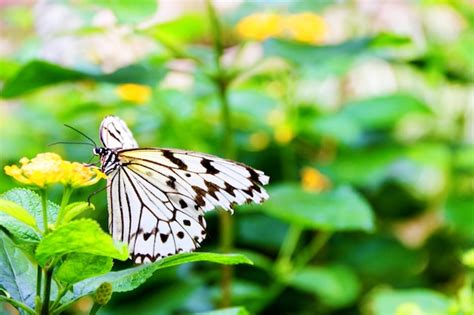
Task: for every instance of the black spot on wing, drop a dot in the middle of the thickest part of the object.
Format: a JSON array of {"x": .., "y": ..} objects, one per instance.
[
  {"x": 146, "y": 235},
  {"x": 253, "y": 175},
  {"x": 171, "y": 182},
  {"x": 170, "y": 156},
  {"x": 200, "y": 194},
  {"x": 211, "y": 189},
  {"x": 183, "y": 203},
  {"x": 229, "y": 189},
  {"x": 208, "y": 166},
  {"x": 164, "y": 237}
]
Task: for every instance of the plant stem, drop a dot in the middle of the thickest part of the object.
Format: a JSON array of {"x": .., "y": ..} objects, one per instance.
[
  {"x": 313, "y": 248},
  {"x": 39, "y": 274},
  {"x": 228, "y": 140},
  {"x": 17, "y": 304},
  {"x": 96, "y": 307},
  {"x": 44, "y": 206},
  {"x": 47, "y": 290},
  {"x": 59, "y": 297},
  {"x": 221, "y": 82},
  {"x": 65, "y": 200},
  {"x": 286, "y": 251}
]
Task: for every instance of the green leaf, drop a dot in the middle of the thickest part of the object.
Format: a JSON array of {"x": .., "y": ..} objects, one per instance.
[
  {"x": 379, "y": 258},
  {"x": 31, "y": 201},
  {"x": 129, "y": 279},
  {"x": 302, "y": 54},
  {"x": 172, "y": 298},
  {"x": 349, "y": 125},
  {"x": 340, "y": 209},
  {"x": 17, "y": 273},
  {"x": 74, "y": 209},
  {"x": 185, "y": 28},
  {"x": 239, "y": 310},
  {"x": 459, "y": 215},
  {"x": 405, "y": 166},
  {"x": 384, "y": 302},
  {"x": 464, "y": 159},
  {"x": 126, "y": 11},
  {"x": 383, "y": 112},
  {"x": 78, "y": 267},
  {"x": 38, "y": 73},
  {"x": 336, "y": 286},
  {"x": 18, "y": 212},
  {"x": 81, "y": 236},
  {"x": 337, "y": 127}
]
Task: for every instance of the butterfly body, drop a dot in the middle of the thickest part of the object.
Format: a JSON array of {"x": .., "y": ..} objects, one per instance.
[{"x": 157, "y": 197}]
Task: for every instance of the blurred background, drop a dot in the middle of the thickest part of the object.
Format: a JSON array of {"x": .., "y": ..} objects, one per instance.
[{"x": 361, "y": 112}]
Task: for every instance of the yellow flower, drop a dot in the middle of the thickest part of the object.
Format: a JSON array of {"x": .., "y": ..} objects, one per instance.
[
  {"x": 134, "y": 93},
  {"x": 260, "y": 26},
  {"x": 305, "y": 27},
  {"x": 49, "y": 168},
  {"x": 313, "y": 180},
  {"x": 259, "y": 141},
  {"x": 284, "y": 134}
]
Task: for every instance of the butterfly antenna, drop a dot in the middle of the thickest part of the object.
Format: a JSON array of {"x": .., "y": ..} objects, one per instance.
[
  {"x": 83, "y": 134},
  {"x": 69, "y": 142}
]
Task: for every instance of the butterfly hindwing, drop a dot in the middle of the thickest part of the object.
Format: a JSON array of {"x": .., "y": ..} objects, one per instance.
[{"x": 114, "y": 134}]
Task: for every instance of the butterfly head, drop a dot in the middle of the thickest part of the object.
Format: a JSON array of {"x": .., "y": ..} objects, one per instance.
[
  {"x": 108, "y": 159},
  {"x": 98, "y": 151}
]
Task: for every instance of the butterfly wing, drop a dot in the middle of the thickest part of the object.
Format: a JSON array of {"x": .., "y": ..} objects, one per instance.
[
  {"x": 157, "y": 198},
  {"x": 114, "y": 134}
]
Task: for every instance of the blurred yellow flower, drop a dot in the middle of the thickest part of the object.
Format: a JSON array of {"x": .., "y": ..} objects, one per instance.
[
  {"x": 135, "y": 93},
  {"x": 305, "y": 27},
  {"x": 313, "y": 180},
  {"x": 49, "y": 168},
  {"x": 259, "y": 141},
  {"x": 260, "y": 26},
  {"x": 284, "y": 134}
]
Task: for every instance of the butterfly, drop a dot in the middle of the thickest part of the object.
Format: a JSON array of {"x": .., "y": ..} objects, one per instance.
[{"x": 157, "y": 197}]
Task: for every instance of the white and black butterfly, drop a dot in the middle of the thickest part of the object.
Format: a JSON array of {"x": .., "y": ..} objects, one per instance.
[{"x": 157, "y": 197}]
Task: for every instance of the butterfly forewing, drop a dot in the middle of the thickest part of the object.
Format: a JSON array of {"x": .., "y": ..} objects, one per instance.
[{"x": 157, "y": 197}]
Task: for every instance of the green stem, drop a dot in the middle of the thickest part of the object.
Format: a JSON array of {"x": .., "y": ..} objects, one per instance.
[
  {"x": 47, "y": 290},
  {"x": 287, "y": 249},
  {"x": 65, "y": 200},
  {"x": 17, "y": 304},
  {"x": 313, "y": 248},
  {"x": 39, "y": 274},
  {"x": 96, "y": 307},
  {"x": 228, "y": 141},
  {"x": 59, "y": 297},
  {"x": 221, "y": 82},
  {"x": 44, "y": 202}
]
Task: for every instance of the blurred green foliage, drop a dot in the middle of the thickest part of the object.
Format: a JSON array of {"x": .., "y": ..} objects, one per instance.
[{"x": 367, "y": 138}]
